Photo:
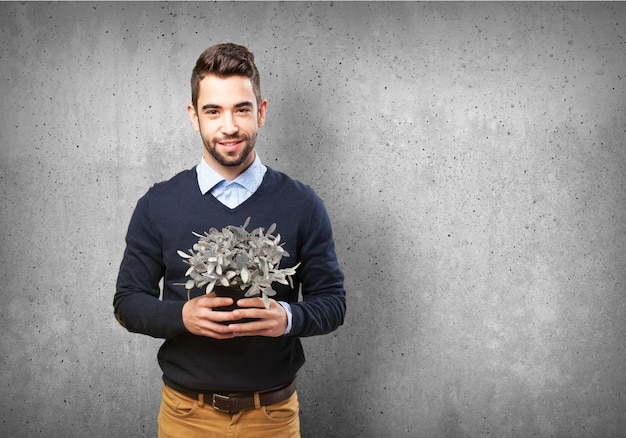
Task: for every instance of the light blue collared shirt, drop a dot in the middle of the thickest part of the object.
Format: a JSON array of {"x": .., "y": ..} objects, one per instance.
[
  {"x": 234, "y": 193},
  {"x": 231, "y": 193}
]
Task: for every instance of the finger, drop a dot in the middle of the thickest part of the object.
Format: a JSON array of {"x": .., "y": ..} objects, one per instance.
[
  {"x": 251, "y": 302},
  {"x": 219, "y": 329},
  {"x": 251, "y": 312},
  {"x": 211, "y": 301},
  {"x": 222, "y": 316},
  {"x": 218, "y": 333},
  {"x": 253, "y": 328}
]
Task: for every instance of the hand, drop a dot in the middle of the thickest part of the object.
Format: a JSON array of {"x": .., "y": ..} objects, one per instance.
[
  {"x": 200, "y": 319},
  {"x": 270, "y": 322}
]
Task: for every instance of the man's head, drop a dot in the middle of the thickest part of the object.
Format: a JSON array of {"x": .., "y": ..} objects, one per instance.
[
  {"x": 224, "y": 60},
  {"x": 227, "y": 109}
]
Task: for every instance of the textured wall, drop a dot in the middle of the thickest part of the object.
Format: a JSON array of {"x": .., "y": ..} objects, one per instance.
[{"x": 471, "y": 157}]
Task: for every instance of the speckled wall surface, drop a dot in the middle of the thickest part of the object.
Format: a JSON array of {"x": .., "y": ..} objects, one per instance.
[{"x": 472, "y": 158}]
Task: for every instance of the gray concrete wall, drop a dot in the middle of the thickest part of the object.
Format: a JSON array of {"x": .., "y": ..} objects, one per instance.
[{"x": 471, "y": 157}]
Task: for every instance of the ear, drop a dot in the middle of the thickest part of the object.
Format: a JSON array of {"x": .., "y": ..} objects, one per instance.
[
  {"x": 262, "y": 111},
  {"x": 193, "y": 117}
]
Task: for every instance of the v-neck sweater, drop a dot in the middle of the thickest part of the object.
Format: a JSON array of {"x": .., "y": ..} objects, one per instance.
[{"x": 162, "y": 224}]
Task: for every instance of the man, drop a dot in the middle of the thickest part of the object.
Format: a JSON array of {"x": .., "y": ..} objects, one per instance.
[{"x": 221, "y": 378}]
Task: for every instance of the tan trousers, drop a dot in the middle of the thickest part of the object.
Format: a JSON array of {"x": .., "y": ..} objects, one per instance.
[{"x": 182, "y": 416}]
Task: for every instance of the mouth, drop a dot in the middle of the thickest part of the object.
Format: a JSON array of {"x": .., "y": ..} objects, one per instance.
[{"x": 231, "y": 145}]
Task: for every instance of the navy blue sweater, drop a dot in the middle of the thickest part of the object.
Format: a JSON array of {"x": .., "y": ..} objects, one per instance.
[{"x": 162, "y": 223}]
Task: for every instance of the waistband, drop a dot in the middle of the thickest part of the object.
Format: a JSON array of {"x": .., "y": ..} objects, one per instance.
[{"x": 233, "y": 403}]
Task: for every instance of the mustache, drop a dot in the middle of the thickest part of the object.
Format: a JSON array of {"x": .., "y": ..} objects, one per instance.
[{"x": 232, "y": 138}]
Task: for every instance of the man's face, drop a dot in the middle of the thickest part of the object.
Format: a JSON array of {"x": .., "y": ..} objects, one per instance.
[{"x": 228, "y": 119}]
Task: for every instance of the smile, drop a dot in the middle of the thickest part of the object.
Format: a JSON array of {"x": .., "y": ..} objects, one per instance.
[{"x": 231, "y": 144}]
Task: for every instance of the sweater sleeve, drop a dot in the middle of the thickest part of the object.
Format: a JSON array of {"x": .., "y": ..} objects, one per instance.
[
  {"x": 323, "y": 304},
  {"x": 136, "y": 303}
]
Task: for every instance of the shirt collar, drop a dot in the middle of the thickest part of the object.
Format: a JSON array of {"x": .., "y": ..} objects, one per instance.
[{"x": 251, "y": 178}]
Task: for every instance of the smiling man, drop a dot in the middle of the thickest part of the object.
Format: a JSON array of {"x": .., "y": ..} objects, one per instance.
[{"x": 233, "y": 379}]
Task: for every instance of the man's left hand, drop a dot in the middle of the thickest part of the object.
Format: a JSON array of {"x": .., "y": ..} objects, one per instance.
[{"x": 270, "y": 322}]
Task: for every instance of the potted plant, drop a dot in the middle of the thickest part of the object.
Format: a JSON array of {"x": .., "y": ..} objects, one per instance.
[{"x": 237, "y": 263}]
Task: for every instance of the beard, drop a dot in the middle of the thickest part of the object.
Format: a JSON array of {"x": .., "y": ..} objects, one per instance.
[{"x": 230, "y": 159}]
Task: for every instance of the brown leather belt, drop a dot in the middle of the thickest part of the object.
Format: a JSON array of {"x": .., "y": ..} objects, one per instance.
[{"x": 233, "y": 403}]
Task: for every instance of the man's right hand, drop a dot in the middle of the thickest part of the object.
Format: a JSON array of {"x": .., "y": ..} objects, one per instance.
[{"x": 200, "y": 318}]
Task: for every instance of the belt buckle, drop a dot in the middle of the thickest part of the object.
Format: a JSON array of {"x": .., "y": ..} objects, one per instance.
[{"x": 222, "y": 403}]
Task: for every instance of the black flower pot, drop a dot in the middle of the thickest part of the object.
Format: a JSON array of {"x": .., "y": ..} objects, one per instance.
[{"x": 236, "y": 294}]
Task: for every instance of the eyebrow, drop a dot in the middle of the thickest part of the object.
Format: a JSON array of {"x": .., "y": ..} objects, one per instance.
[{"x": 239, "y": 105}]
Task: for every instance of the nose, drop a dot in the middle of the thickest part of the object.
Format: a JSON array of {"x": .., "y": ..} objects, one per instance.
[{"x": 229, "y": 127}]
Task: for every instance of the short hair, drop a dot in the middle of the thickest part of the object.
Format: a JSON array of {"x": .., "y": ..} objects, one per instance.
[{"x": 225, "y": 60}]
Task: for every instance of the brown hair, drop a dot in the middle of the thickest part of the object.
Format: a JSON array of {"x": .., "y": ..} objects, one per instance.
[{"x": 225, "y": 60}]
